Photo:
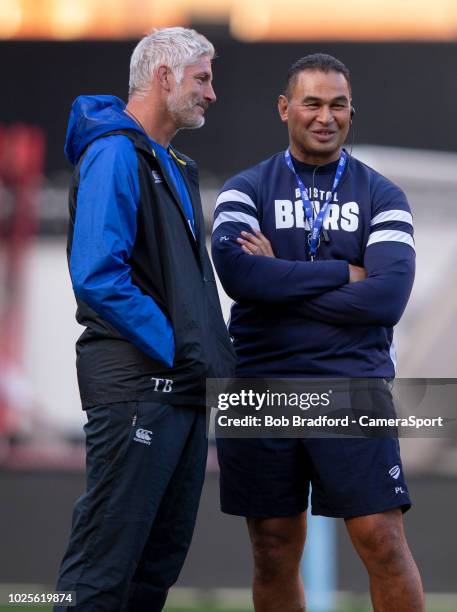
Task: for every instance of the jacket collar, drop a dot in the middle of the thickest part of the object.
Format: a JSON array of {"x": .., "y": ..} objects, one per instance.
[{"x": 189, "y": 172}]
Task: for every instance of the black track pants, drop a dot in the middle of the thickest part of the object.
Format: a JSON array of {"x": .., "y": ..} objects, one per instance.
[{"x": 133, "y": 526}]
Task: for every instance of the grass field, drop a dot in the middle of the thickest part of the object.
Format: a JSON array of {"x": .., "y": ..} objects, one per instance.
[
  {"x": 363, "y": 608},
  {"x": 347, "y": 606},
  {"x": 233, "y": 600}
]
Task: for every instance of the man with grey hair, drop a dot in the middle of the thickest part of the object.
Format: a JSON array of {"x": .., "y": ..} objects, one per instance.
[{"x": 146, "y": 295}]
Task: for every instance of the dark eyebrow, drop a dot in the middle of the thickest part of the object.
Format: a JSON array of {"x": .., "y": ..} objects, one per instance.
[
  {"x": 314, "y": 99},
  {"x": 340, "y": 99}
]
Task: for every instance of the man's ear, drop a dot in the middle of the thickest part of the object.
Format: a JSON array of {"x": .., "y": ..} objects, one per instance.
[
  {"x": 283, "y": 106},
  {"x": 165, "y": 76}
]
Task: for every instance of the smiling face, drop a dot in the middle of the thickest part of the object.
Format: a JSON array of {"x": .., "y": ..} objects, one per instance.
[
  {"x": 318, "y": 115},
  {"x": 189, "y": 99}
]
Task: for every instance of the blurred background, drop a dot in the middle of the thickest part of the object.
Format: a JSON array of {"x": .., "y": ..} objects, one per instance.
[{"x": 402, "y": 55}]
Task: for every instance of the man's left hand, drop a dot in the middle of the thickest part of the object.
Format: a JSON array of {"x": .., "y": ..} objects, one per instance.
[{"x": 257, "y": 244}]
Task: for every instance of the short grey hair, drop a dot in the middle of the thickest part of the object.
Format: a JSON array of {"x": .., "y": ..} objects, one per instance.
[{"x": 172, "y": 47}]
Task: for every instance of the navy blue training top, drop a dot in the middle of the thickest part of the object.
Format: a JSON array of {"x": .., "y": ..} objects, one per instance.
[{"x": 294, "y": 317}]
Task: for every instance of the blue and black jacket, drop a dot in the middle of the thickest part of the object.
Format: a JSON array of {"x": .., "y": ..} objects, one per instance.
[
  {"x": 294, "y": 317},
  {"x": 144, "y": 284}
]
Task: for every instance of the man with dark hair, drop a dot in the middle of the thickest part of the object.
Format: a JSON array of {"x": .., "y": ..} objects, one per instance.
[
  {"x": 317, "y": 251},
  {"x": 317, "y": 61},
  {"x": 154, "y": 329}
]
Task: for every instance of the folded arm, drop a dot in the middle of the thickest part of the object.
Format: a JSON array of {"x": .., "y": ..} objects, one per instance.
[
  {"x": 380, "y": 299},
  {"x": 389, "y": 261},
  {"x": 379, "y": 295},
  {"x": 254, "y": 277}
]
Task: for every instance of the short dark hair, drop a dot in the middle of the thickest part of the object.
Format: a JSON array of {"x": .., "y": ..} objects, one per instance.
[{"x": 316, "y": 61}]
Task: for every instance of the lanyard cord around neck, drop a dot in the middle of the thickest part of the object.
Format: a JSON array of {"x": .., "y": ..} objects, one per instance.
[{"x": 315, "y": 224}]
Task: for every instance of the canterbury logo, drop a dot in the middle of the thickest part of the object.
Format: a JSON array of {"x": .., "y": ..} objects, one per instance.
[
  {"x": 143, "y": 436},
  {"x": 395, "y": 472}
]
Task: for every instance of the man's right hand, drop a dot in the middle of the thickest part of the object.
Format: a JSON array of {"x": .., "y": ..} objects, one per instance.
[
  {"x": 356, "y": 274},
  {"x": 258, "y": 244}
]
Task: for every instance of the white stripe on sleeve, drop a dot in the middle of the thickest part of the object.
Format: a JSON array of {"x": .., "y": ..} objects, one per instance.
[
  {"x": 237, "y": 217},
  {"x": 393, "y": 215},
  {"x": 233, "y": 195},
  {"x": 390, "y": 236}
]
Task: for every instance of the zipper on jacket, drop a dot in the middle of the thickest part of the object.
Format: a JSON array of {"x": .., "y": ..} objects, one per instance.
[{"x": 135, "y": 415}]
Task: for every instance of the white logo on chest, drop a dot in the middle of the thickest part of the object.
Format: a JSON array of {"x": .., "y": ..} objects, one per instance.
[{"x": 339, "y": 216}]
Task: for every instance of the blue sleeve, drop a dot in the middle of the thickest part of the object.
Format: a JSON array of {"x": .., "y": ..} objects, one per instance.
[
  {"x": 103, "y": 239},
  {"x": 256, "y": 278},
  {"x": 389, "y": 261}
]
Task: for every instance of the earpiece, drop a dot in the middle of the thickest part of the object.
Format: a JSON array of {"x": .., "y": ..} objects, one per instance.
[{"x": 352, "y": 112}]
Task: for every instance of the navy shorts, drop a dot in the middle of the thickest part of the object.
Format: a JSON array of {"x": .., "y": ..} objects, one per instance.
[{"x": 349, "y": 477}]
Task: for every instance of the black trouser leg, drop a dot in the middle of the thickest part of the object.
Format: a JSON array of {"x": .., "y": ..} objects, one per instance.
[{"x": 128, "y": 477}]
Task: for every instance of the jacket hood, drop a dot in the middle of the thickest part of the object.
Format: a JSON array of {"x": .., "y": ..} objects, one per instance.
[{"x": 91, "y": 117}]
